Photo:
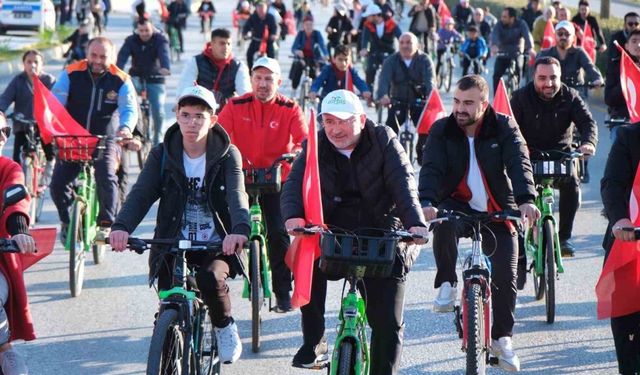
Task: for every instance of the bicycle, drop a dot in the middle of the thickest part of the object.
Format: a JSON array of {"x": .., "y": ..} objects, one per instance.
[
  {"x": 473, "y": 318},
  {"x": 613, "y": 123},
  {"x": 206, "y": 19},
  {"x": 355, "y": 256},
  {"x": 183, "y": 341},
  {"x": 542, "y": 244},
  {"x": 84, "y": 209},
  {"x": 174, "y": 42},
  {"x": 407, "y": 135},
  {"x": 257, "y": 182},
  {"x": 445, "y": 74},
  {"x": 148, "y": 126},
  {"x": 512, "y": 74},
  {"x": 476, "y": 64},
  {"x": 33, "y": 166}
]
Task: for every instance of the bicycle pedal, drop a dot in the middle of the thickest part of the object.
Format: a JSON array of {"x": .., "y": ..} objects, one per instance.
[{"x": 494, "y": 361}]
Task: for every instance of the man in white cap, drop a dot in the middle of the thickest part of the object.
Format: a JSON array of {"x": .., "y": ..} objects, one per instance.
[
  {"x": 196, "y": 176},
  {"x": 377, "y": 40},
  {"x": 573, "y": 60},
  {"x": 264, "y": 125},
  {"x": 367, "y": 182}
]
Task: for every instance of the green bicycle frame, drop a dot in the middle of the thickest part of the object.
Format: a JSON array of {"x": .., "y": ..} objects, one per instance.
[
  {"x": 352, "y": 328},
  {"x": 85, "y": 194},
  {"x": 544, "y": 202},
  {"x": 258, "y": 232}
]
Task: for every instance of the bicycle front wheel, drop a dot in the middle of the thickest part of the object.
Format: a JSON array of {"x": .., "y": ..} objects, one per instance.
[
  {"x": 476, "y": 355},
  {"x": 347, "y": 358},
  {"x": 76, "y": 249},
  {"x": 206, "y": 347},
  {"x": 167, "y": 345},
  {"x": 539, "y": 282},
  {"x": 448, "y": 76},
  {"x": 550, "y": 271},
  {"x": 257, "y": 294}
]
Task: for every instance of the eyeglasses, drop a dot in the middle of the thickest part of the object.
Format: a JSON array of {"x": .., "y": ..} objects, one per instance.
[
  {"x": 562, "y": 33},
  {"x": 197, "y": 118},
  {"x": 633, "y": 24},
  {"x": 6, "y": 131},
  {"x": 334, "y": 122}
]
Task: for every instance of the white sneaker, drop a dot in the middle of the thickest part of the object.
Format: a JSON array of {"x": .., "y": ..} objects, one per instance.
[
  {"x": 507, "y": 359},
  {"x": 12, "y": 363},
  {"x": 229, "y": 345},
  {"x": 446, "y": 299}
]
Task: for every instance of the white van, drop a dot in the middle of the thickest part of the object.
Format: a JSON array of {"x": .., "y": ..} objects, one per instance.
[{"x": 36, "y": 15}]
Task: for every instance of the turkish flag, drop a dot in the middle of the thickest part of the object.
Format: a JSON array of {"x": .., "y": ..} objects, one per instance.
[
  {"x": 619, "y": 283},
  {"x": 164, "y": 11},
  {"x": 263, "y": 42},
  {"x": 629, "y": 78},
  {"x": 51, "y": 116},
  {"x": 45, "y": 239},
  {"x": 306, "y": 249},
  {"x": 549, "y": 38},
  {"x": 234, "y": 19},
  {"x": 501, "y": 102},
  {"x": 432, "y": 111},
  {"x": 348, "y": 80},
  {"x": 589, "y": 42}
]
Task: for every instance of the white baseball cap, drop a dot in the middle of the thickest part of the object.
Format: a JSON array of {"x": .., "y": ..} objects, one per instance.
[
  {"x": 201, "y": 93},
  {"x": 372, "y": 9},
  {"x": 567, "y": 26},
  {"x": 341, "y": 9},
  {"x": 342, "y": 104},
  {"x": 269, "y": 63}
]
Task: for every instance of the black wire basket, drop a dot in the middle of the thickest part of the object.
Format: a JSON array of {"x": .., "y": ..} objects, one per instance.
[
  {"x": 345, "y": 254},
  {"x": 544, "y": 169},
  {"x": 263, "y": 180}
]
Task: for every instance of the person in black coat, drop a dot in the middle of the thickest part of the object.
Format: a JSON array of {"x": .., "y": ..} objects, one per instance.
[
  {"x": 613, "y": 96},
  {"x": 366, "y": 181},
  {"x": 615, "y": 188},
  {"x": 631, "y": 22}
]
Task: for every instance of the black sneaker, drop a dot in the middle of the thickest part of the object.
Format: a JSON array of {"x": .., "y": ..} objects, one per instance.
[
  {"x": 567, "y": 249},
  {"x": 283, "y": 303},
  {"x": 64, "y": 228},
  {"x": 315, "y": 358}
]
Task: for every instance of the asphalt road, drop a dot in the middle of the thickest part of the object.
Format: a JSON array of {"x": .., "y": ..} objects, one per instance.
[{"x": 106, "y": 330}]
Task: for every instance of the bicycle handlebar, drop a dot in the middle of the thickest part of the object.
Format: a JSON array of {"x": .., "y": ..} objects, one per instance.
[
  {"x": 545, "y": 155},
  {"x": 140, "y": 245},
  {"x": 8, "y": 246},
  {"x": 404, "y": 235},
  {"x": 505, "y": 215},
  {"x": 613, "y": 122},
  {"x": 636, "y": 231}
]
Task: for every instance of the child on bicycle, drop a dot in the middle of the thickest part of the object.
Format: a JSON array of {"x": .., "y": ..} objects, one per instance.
[
  {"x": 79, "y": 40},
  {"x": 473, "y": 47},
  {"x": 340, "y": 74},
  {"x": 197, "y": 176},
  {"x": 309, "y": 49},
  {"x": 446, "y": 35},
  {"x": 206, "y": 11},
  {"x": 15, "y": 318}
]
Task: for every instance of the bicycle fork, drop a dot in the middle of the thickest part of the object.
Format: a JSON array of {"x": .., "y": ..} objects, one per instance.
[
  {"x": 257, "y": 230},
  {"x": 353, "y": 320}
]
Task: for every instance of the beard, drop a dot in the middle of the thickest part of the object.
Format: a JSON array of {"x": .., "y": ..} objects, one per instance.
[
  {"x": 546, "y": 93},
  {"x": 464, "y": 119}
]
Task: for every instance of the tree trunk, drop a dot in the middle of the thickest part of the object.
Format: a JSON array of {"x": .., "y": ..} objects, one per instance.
[{"x": 605, "y": 6}]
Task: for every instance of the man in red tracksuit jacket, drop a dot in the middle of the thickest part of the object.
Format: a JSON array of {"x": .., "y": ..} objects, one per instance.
[{"x": 264, "y": 125}]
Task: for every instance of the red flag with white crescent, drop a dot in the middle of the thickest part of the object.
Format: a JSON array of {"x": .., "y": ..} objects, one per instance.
[
  {"x": 589, "y": 42},
  {"x": 501, "y": 102},
  {"x": 549, "y": 38},
  {"x": 629, "y": 81},
  {"x": 432, "y": 111}
]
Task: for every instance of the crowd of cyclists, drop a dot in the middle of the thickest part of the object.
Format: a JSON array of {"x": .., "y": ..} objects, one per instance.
[{"x": 231, "y": 114}]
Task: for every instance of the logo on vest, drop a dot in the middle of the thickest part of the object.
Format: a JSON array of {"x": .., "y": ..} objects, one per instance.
[{"x": 112, "y": 95}]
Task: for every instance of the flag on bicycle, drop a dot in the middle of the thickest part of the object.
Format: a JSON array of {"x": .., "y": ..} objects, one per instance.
[
  {"x": 589, "y": 43},
  {"x": 629, "y": 81},
  {"x": 549, "y": 38},
  {"x": 501, "y": 102},
  {"x": 305, "y": 250},
  {"x": 432, "y": 111},
  {"x": 619, "y": 283},
  {"x": 52, "y": 117},
  {"x": 348, "y": 80},
  {"x": 263, "y": 42}
]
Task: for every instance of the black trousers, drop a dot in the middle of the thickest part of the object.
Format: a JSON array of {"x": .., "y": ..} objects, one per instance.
[
  {"x": 278, "y": 240},
  {"x": 500, "y": 247},
  {"x": 295, "y": 74},
  {"x": 397, "y": 115},
  {"x": 501, "y": 66},
  {"x": 211, "y": 279},
  {"x": 569, "y": 204},
  {"x": 374, "y": 62},
  {"x": 254, "y": 47},
  {"x": 626, "y": 336},
  {"x": 385, "y": 306}
]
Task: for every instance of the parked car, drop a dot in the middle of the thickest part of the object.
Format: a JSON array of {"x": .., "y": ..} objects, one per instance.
[{"x": 36, "y": 15}]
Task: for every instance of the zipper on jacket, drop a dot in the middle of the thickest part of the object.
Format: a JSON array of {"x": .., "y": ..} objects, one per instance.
[
  {"x": 100, "y": 100},
  {"x": 93, "y": 96}
]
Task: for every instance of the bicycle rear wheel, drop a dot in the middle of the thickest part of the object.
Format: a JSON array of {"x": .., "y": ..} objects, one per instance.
[
  {"x": 149, "y": 132},
  {"x": 476, "y": 355},
  {"x": 76, "y": 249},
  {"x": 550, "y": 271},
  {"x": 347, "y": 358},
  {"x": 257, "y": 294},
  {"x": 167, "y": 345}
]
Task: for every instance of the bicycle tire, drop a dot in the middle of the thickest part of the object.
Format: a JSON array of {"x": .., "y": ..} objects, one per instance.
[
  {"x": 304, "y": 89},
  {"x": 539, "y": 282},
  {"x": 476, "y": 355},
  {"x": 550, "y": 272},
  {"x": 28, "y": 168},
  {"x": 449, "y": 76},
  {"x": 257, "y": 296},
  {"x": 440, "y": 77},
  {"x": 99, "y": 252},
  {"x": 346, "y": 360},
  {"x": 208, "y": 360},
  {"x": 76, "y": 249},
  {"x": 40, "y": 205},
  {"x": 166, "y": 347}
]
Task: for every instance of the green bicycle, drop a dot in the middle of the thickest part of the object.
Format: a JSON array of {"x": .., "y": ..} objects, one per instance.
[
  {"x": 259, "y": 181},
  {"x": 542, "y": 244},
  {"x": 84, "y": 210},
  {"x": 355, "y": 254}
]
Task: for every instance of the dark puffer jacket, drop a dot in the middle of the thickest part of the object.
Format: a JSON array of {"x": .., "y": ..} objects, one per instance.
[
  {"x": 163, "y": 178},
  {"x": 501, "y": 153}
]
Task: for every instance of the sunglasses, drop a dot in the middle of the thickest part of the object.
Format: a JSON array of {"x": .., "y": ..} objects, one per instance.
[
  {"x": 562, "y": 33},
  {"x": 6, "y": 131},
  {"x": 633, "y": 24}
]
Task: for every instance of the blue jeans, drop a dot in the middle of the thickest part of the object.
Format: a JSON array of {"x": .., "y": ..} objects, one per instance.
[{"x": 157, "y": 97}]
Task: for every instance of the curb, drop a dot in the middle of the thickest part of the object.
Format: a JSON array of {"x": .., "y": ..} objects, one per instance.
[{"x": 11, "y": 67}]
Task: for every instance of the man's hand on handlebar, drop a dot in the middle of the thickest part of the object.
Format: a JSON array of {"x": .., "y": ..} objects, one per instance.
[
  {"x": 385, "y": 101},
  {"x": 430, "y": 213},
  {"x": 422, "y": 231},
  {"x": 25, "y": 242},
  {"x": 133, "y": 144},
  {"x": 233, "y": 243},
  {"x": 621, "y": 234},
  {"x": 118, "y": 240},
  {"x": 294, "y": 223},
  {"x": 530, "y": 213},
  {"x": 587, "y": 149},
  {"x": 124, "y": 132}
]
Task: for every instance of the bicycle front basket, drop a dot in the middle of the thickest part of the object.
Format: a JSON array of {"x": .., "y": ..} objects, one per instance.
[
  {"x": 344, "y": 253},
  {"x": 263, "y": 180},
  {"x": 78, "y": 148},
  {"x": 553, "y": 168}
]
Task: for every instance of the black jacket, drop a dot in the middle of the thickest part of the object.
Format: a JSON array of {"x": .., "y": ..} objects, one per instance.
[
  {"x": 383, "y": 174},
  {"x": 613, "y": 96},
  {"x": 147, "y": 58},
  {"x": 429, "y": 14},
  {"x": 619, "y": 174},
  {"x": 501, "y": 153},
  {"x": 549, "y": 125},
  {"x": 19, "y": 92},
  {"x": 593, "y": 24},
  {"x": 621, "y": 37},
  {"x": 163, "y": 178}
]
